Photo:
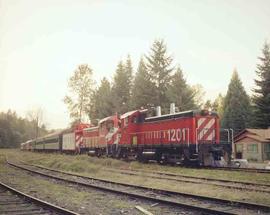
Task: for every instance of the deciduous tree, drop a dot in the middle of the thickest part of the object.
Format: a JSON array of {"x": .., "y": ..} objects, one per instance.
[
  {"x": 35, "y": 115},
  {"x": 81, "y": 86},
  {"x": 15, "y": 130},
  {"x": 218, "y": 105},
  {"x": 199, "y": 94}
]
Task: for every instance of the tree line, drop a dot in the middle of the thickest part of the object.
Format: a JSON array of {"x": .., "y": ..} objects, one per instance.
[
  {"x": 158, "y": 81},
  {"x": 15, "y": 130},
  {"x": 237, "y": 109}
]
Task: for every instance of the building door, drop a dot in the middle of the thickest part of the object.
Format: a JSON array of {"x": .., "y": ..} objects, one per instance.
[{"x": 239, "y": 151}]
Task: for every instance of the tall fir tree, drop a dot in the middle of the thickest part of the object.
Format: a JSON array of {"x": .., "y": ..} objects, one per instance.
[
  {"x": 261, "y": 96},
  {"x": 237, "y": 109},
  {"x": 121, "y": 89},
  {"x": 159, "y": 65},
  {"x": 129, "y": 73},
  {"x": 180, "y": 93},
  {"x": 142, "y": 90},
  {"x": 103, "y": 102}
]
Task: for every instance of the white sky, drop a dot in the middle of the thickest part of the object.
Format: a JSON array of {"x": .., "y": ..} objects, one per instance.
[{"x": 42, "y": 42}]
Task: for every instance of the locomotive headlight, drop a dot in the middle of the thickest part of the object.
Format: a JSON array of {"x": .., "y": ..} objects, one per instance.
[{"x": 204, "y": 112}]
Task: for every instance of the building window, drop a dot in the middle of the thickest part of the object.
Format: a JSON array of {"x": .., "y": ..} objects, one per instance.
[
  {"x": 239, "y": 147},
  {"x": 252, "y": 148},
  {"x": 267, "y": 147}
]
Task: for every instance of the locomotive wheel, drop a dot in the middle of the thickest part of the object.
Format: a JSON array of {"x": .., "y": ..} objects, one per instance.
[
  {"x": 142, "y": 159},
  {"x": 162, "y": 162}
]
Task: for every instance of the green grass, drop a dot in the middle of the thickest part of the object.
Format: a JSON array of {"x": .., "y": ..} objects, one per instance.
[
  {"x": 84, "y": 163},
  {"x": 92, "y": 166}
]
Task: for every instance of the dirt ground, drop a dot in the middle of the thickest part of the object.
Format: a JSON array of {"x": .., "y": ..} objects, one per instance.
[{"x": 80, "y": 200}]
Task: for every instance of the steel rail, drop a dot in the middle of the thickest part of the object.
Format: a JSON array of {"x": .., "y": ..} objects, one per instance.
[
  {"x": 148, "y": 174},
  {"x": 172, "y": 175},
  {"x": 250, "y": 170},
  {"x": 207, "y": 181},
  {"x": 247, "y": 205},
  {"x": 43, "y": 204},
  {"x": 192, "y": 177}
]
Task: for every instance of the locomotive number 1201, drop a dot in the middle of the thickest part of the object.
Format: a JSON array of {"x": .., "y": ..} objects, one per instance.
[{"x": 176, "y": 134}]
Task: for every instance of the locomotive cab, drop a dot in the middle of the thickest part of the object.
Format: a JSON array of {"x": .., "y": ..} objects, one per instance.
[
  {"x": 109, "y": 134},
  {"x": 130, "y": 125}
]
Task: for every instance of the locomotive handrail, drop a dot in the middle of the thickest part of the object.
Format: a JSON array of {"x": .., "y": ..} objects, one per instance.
[
  {"x": 225, "y": 129},
  {"x": 188, "y": 136},
  {"x": 196, "y": 133},
  {"x": 158, "y": 135}
]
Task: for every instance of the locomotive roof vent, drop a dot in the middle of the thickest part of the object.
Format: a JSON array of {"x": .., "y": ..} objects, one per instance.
[
  {"x": 158, "y": 111},
  {"x": 172, "y": 108}
]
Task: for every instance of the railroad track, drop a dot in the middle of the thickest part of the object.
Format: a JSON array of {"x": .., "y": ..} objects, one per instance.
[
  {"x": 14, "y": 202},
  {"x": 231, "y": 184},
  {"x": 177, "y": 199},
  {"x": 254, "y": 170}
]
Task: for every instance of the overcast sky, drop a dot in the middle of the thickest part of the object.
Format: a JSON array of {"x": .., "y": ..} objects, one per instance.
[{"x": 42, "y": 42}]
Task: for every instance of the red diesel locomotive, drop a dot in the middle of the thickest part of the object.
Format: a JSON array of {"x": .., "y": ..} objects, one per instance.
[
  {"x": 100, "y": 140},
  {"x": 190, "y": 137}
]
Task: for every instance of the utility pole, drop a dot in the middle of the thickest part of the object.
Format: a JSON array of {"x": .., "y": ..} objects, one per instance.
[{"x": 37, "y": 128}]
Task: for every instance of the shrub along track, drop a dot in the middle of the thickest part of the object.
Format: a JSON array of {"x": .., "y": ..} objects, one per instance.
[
  {"x": 13, "y": 201},
  {"x": 183, "y": 200}
]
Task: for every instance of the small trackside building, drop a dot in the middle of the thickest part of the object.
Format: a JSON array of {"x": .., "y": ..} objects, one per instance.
[{"x": 252, "y": 144}]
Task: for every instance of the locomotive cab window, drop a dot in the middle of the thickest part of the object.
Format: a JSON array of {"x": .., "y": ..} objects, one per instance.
[
  {"x": 126, "y": 121},
  {"x": 109, "y": 126},
  {"x": 134, "y": 119}
]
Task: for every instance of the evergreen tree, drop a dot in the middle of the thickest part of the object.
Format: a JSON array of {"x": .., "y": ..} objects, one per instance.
[
  {"x": 160, "y": 69},
  {"x": 237, "y": 108},
  {"x": 261, "y": 97},
  {"x": 180, "y": 93},
  {"x": 121, "y": 89},
  {"x": 103, "y": 102},
  {"x": 142, "y": 91},
  {"x": 129, "y": 73}
]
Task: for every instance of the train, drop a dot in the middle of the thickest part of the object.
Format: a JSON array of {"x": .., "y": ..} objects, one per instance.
[{"x": 191, "y": 137}]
